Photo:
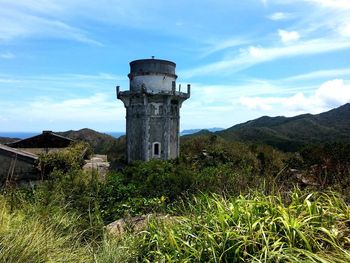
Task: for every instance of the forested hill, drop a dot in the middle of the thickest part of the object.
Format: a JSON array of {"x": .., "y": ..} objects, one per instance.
[
  {"x": 100, "y": 142},
  {"x": 292, "y": 133}
]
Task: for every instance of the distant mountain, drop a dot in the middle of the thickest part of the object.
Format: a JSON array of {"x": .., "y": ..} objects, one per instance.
[
  {"x": 100, "y": 142},
  {"x": 4, "y": 140},
  {"x": 292, "y": 133},
  {"x": 191, "y": 131},
  {"x": 116, "y": 134}
]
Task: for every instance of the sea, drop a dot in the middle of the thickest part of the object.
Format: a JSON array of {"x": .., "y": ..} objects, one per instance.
[{"x": 24, "y": 135}]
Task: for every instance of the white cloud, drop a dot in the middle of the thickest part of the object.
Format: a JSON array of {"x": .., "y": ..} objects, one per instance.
[
  {"x": 279, "y": 16},
  {"x": 330, "y": 73},
  {"x": 341, "y": 4},
  {"x": 288, "y": 36},
  {"x": 344, "y": 29},
  {"x": 333, "y": 93},
  {"x": 67, "y": 101},
  {"x": 256, "y": 52},
  {"x": 218, "y": 45},
  {"x": 99, "y": 111},
  {"x": 257, "y": 103},
  {"x": 330, "y": 94},
  {"x": 17, "y": 23},
  {"x": 255, "y": 55},
  {"x": 7, "y": 55}
]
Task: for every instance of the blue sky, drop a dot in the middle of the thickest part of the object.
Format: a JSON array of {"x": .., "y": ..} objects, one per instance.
[{"x": 61, "y": 60}]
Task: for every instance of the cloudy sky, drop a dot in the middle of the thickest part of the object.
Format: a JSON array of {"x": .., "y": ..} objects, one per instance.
[{"x": 61, "y": 60}]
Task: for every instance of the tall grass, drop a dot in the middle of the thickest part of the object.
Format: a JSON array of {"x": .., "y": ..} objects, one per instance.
[
  {"x": 300, "y": 227},
  {"x": 311, "y": 227},
  {"x": 29, "y": 236}
]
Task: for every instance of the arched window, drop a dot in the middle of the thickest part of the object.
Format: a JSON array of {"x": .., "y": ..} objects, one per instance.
[{"x": 156, "y": 149}]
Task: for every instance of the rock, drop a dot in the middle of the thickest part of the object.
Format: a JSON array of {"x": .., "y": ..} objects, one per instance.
[
  {"x": 134, "y": 224},
  {"x": 97, "y": 163}
]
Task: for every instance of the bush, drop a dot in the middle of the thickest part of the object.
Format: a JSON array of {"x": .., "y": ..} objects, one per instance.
[{"x": 68, "y": 159}]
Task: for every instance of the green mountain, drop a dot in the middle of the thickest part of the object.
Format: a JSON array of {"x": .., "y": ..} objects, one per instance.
[
  {"x": 290, "y": 134},
  {"x": 100, "y": 142}
]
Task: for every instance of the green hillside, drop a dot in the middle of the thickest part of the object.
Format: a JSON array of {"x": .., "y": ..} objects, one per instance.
[
  {"x": 290, "y": 134},
  {"x": 100, "y": 142}
]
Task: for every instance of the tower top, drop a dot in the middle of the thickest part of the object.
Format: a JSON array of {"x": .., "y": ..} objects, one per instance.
[{"x": 149, "y": 66}]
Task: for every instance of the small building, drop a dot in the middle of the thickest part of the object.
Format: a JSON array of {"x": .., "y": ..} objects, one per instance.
[
  {"x": 42, "y": 143},
  {"x": 17, "y": 165}
]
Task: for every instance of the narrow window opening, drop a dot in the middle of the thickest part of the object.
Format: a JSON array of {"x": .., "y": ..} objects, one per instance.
[{"x": 156, "y": 149}]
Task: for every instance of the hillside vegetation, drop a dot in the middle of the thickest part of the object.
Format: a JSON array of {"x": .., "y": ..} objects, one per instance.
[
  {"x": 253, "y": 228},
  {"x": 101, "y": 143},
  {"x": 291, "y": 134},
  {"x": 227, "y": 201}
]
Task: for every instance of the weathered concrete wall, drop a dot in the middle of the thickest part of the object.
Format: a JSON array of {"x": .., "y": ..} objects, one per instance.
[
  {"x": 153, "y": 83},
  {"x": 152, "y": 119},
  {"x": 152, "y": 110},
  {"x": 22, "y": 169},
  {"x": 135, "y": 128}
]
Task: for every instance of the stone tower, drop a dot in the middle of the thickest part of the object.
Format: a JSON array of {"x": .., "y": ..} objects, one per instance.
[{"x": 152, "y": 110}]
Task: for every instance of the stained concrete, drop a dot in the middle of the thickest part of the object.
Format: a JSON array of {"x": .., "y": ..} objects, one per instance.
[
  {"x": 16, "y": 165},
  {"x": 152, "y": 110}
]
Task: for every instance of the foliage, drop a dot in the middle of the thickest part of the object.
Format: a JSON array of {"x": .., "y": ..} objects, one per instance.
[
  {"x": 143, "y": 188},
  {"x": 253, "y": 228},
  {"x": 79, "y": 192},
  {"x": 65, "y": 160},
  {"x": 207, "y": 164},
  {"x": 230, "y": 202},
  {"x": 38, "y": 234},
  {"x": 328, "y": 163},
  {"x": 291, "y": 134},
  {"x": 101, "y": 143}
]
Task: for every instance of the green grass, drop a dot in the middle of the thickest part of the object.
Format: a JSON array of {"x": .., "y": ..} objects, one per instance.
[
  {"x": 253, "y": 228},
  {"x": 28, "y": 235},
  {"x": 301, "y": 227}
]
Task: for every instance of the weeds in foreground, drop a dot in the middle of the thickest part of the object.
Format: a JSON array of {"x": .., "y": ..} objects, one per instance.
[
  {"x": 253, "y": 228},
  {"x": 309, "y": 227},
  {"x": 29, "y": 236}
]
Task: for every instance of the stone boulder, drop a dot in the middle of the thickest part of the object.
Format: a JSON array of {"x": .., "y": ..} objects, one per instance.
[
  {"x": 97, "y": 163},
  {"x": 134, "y": 224}
]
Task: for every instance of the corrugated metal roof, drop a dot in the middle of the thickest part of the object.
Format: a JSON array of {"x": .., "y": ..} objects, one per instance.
[
  {"x": 47, "y": 139},
  {"x": 18, "y": 152}
]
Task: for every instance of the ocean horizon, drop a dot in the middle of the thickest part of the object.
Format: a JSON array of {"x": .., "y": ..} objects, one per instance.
[{"x": 24, "y": 135}]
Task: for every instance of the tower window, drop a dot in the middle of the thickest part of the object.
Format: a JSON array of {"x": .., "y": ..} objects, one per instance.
[{"x": 156, "y": 149}]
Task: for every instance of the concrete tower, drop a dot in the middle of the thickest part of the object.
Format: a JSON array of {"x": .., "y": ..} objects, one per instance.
[{"x": 152, "y": 110}]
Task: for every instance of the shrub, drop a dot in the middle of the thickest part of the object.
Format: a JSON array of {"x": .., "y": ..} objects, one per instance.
[{"x": 64, "y": 160}]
